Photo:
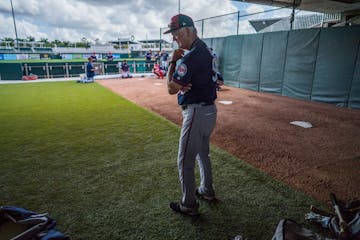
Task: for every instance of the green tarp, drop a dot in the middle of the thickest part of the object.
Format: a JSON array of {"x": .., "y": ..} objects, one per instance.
[
  {"x": 300, "y": 63},
  {"x": 320, "y": 64},
  {"x": 272, "y": 62},
  {"x": 335, "y": 65}
]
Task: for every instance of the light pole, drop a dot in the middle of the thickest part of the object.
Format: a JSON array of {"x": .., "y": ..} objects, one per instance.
[
  {"x": 160, "y": 40},
  {"x": 13, "y": 15}
]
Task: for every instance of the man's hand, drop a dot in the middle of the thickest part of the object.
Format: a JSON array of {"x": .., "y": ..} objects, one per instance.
[
  {"x": 186, "y": 88},
  {"x": 173, "y": 87},
  {"x": 177, "y": 54}
]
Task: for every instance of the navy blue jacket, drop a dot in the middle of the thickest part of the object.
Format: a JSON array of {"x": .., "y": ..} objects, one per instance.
[
  {"x": 196, "y": 68},
  {"x": 89, "y": 73}
]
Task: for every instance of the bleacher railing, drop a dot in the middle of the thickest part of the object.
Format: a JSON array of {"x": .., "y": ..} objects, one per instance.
[{"x": 63, "y": 70}]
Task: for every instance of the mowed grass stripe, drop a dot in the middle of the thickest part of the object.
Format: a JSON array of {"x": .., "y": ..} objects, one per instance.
[{"x": 105, "y": 168}]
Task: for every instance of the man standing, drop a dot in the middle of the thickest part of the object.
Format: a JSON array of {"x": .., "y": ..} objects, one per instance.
[
  {"x": 109, "y": 56},
  {"x": 164, "y": 57},
  {"x": 148, "y": 56},
  {"x": 125, "y": 72},
  {"x": 90, "y": 70},
  {"x": 93, "y": 56},
  {"x": 190, "y": 77}
]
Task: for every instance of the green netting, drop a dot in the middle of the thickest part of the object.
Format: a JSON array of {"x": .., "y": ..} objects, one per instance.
[
  {"x": 313, "y": 64},
  {"x": 231, "y": 57},
  {"x": 38, "y": 69},
  {"x": 354, "y": 99},
  {"x": 56, "y": 70},
  {"x": 301, "y": 53},
  {"x": 10, "y": 71},
  {"x": 111, "y": 68},
  {"x": 335, "y": 65},
  {"x": 273, "y": 61},
  {"x": 250, "y": 61},
  {"x": 76, "y": 68},
  {"x": 132, "y": 66}
]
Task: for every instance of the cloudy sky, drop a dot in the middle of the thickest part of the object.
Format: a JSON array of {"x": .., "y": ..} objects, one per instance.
[{"x": 108, "y": 20}]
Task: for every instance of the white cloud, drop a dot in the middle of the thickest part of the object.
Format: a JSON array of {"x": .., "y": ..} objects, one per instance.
[
  {"x": 6, "y": 31},
  {"x": 255, "y": 8},
  {"x": 28, "y": 29},
  {"x": 109, "y": 19}
]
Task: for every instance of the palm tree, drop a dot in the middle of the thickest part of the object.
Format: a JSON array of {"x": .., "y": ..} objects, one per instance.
[
  {"x": 9, "y": 39},
  {"x": 66, "y": 43},
  {"x": 46, "y": 42},
  {"x": 30, "y": 39},
  {"x": 56, "y": 42},
  {"x": 6, "y": 40},
  {"x": 86, "y": 42}
]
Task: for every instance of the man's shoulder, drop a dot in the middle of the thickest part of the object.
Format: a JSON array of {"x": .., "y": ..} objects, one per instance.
[{"x": 199, "y": 51}]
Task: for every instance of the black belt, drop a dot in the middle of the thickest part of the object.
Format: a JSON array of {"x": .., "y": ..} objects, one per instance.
[{"x": 201, "y": 104}]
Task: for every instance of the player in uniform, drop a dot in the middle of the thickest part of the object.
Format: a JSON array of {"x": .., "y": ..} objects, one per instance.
[
  {"x": 125, "y": 72},
  {"x": 93, "y": 56},
  {"x": 109, "y": 57},
  {"x": 217, "y": 77},
  {"x": 160, "y": 73},
  {"x": 164, "y": 60},
  {"x": 190, "y": 76},
  {"x": 90, "y": 70}
]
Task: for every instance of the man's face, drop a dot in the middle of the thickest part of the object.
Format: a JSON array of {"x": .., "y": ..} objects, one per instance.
[{"x": 180, "y": 36}]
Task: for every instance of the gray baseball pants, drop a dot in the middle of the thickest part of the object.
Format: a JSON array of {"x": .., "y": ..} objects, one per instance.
[{"x": 198, "y": 124}]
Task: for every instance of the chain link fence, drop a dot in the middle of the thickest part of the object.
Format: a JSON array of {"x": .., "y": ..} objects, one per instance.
[{"x": 278, "y": 19}]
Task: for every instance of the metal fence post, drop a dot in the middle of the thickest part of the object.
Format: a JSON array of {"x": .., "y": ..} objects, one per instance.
[
  {"x": 70, "y": 75},
  {"x": 160, "y": 41},
  {"x": 238, "y": 22},
  {"x": 26, "y": 69},
  {"x": 202, "y": 28},
  {"x": 47, "y": 70},
  {"x": 66, "y": 70}
]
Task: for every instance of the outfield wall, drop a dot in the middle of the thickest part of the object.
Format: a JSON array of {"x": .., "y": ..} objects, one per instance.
[
  {"x": 320, "y": 64},
  {"x": 66, "y": 56},
  {"x": 15, "y": 71}
]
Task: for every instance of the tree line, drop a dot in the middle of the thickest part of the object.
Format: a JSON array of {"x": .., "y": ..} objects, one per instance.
[{"x": 43, "y": 42}]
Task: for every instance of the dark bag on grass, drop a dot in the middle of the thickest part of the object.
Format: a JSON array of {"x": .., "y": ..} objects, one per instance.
[
  {"x": 290, "y": 230},
  {"x": 21, "y": 224},
  {"x": 349, "y": 229}
]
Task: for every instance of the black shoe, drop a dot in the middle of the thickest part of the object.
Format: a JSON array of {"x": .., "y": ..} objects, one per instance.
[
  {"x": 204, "y": 196},
  {"x": 180, "y": 208}
]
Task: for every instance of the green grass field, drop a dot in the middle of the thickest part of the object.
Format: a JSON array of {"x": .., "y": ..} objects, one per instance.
[{"x": 105, "y": 168}]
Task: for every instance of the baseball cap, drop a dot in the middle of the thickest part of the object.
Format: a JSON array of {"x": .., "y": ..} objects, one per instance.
[{"x": 179, "y": 21}]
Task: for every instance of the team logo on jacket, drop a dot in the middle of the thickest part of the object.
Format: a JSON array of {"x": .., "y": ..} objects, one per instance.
[{"x": 182, "y": 70}]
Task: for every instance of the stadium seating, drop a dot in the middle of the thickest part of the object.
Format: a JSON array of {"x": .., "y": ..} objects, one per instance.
[{"x": 42, "y": 50}]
